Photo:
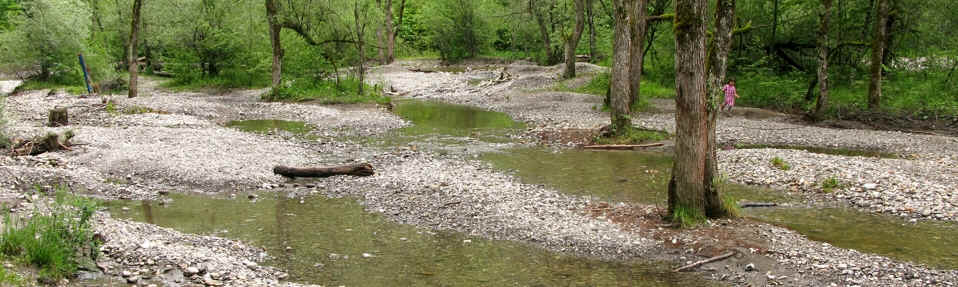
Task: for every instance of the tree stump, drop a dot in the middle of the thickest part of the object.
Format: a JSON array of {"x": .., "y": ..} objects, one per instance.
[
  {"x": 363, "y": 169},
  {"x": 59, "y": 117}
]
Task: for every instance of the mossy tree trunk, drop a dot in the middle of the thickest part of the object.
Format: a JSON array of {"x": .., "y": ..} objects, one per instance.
[
  {"x": 360, "y": 46},
  {"x": 823, "y": 59},
  {"x": 593, "y": 53},
  {"x": 620, "y": 92},
  {"x": 134, "y": 30},
  {"x": 573, "y": 40},
  {"x": 716, "y": 67},
  {"x": 639, "y": 27},
  {"x": 878, "y": 50},
  {"x": 691, "y": 195}
]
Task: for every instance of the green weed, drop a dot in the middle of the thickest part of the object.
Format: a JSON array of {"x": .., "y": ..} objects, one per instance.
[
  {"x": 52, "y": 240},
  {"x": 830, "y": 184},
  {"x": 730, "y": 205},
  {"x": 780, "y": 163},
  {"x": 687, "y": 217},
  {"x": 633, "y": 136},
  {"x": 10, "y": 278}
]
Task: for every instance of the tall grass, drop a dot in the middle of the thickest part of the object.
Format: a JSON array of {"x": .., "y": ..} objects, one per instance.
[{"x": 52, "y": 240}]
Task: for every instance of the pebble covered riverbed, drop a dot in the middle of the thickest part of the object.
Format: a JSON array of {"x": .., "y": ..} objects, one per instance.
[{"x": 181, "y": 144}]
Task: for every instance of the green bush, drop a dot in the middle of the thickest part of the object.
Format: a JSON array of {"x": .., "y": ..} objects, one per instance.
[
  {"x": 52, "y": 240},
  {"x": 346, "y": 91}
]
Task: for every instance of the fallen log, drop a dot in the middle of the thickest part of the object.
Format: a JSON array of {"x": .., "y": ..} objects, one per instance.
[
  {"x": 622, "y": 146},
  {"x": 363, "y": 169},
  {"x": 758, "y": 204},
  {"x": 706, "y": 261}
]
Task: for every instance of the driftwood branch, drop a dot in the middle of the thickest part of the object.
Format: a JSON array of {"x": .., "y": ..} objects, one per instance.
[
  {"x": 363, "y": 169},
  {"x": 622, "y": 146},
  {"x": 758, "y": 204},
  {"x": 706, "y": 261}
]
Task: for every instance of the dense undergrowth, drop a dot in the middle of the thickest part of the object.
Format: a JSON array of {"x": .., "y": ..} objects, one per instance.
[{"x": 55, "y": 240}]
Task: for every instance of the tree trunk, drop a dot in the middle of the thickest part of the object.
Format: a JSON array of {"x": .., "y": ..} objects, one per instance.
[
  {"x": 716, "y": 67},
  {"x": 593, "y": 53},
  {"x": 878, "y": 44},
  {"x": 390, "y": 35},
  {"x": 823, "y": 59},
  {"x": 775, "y": 21},
  {"x": 573, "y": 40},
  {"x": 274, "y": 36},
  {"x": 620, "y": 93},
  {"x": 361, "y": 73},
  {"x": 543, "y": 32},
  {"x": 355, "y": 170},
  {"x": 687, "y": 187},
  {"x": 639, "y": 25},
  {"x": 134, "y": 30}
]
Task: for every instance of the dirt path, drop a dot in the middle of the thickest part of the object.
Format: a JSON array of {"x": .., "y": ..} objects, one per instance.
[{"x": 180, "y": 144}]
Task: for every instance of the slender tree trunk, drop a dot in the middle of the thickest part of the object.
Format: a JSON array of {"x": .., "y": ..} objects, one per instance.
[
  {"x": 823, "y": 59},
  {"x": 687, "y": 187},
  {"x": 361, "y": 73},
  {"x": 134, "y": 30},
  {"x": 274, "y": 37},
  {"x": 620, "y": 93},
  {"x": 593, "y": 53},
  {"x": 639, "y": 27},
  {"x": 717, "y": 66},
  {"x": 543, "y": 32},
  {"x": 573, "y": 40},
  {"x": 878, "y": 44},
  {"x": 390, "y": 34},
  {"x": 775, "y": 21}
]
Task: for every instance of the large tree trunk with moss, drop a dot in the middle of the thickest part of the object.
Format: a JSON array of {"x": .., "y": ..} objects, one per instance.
[
  {"x": 274, "y": 37},
  {"x": 823, "y": 59},
  {"x": 134, "y": 30},
  {"x": 573, "y": 40},
  {"x": 691, "y": 198},
  {"x": 639, "y": 25},
  {"x": 716, "y": 69},
  {"x": 878, "y": 49},
  {"x": 620, "y": 92}
]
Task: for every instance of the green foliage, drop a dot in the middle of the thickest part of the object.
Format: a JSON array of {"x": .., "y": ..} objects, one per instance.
[
  {"x": 730, "y": 205},
  {"x": 10, "y": 278},
  {"x": 830, "y": 184},
  {"x": 458, "y": 29},
  {"x": 47, "y": 38},
  {"x": 634, "y": 136},
  {"x": 52, "y": 240},
  {"x": 345, "y": 91},
  {"x": 36, "y": 84},
  {"x": 779, "y": 163}
]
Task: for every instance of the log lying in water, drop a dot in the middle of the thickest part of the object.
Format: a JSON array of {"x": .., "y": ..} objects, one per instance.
[
  {"x": 622, "y": 146},
  {"x": 363, "y": 169},
  {"x": 758, "y": 204}
]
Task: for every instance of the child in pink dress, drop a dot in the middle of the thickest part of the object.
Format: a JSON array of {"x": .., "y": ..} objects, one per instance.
[{"x": 730, "y": 95}]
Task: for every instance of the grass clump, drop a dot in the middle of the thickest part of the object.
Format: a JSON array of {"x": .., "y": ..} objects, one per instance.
[
  {"x": 779, "y": 163},
  {"x": 831, "y": 184},
  {"x": 10, "y": 278},
  {"x": 345, "y": 91},
  {"x": 53, "y": 240},
  {"x": 67, "y": 86},
  {"x": 687, "y": 217},
  {"x": 633, "y": 136}
]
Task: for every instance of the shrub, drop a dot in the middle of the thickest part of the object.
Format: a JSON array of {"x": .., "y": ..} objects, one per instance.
[{"x": 52, "y": 240}]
